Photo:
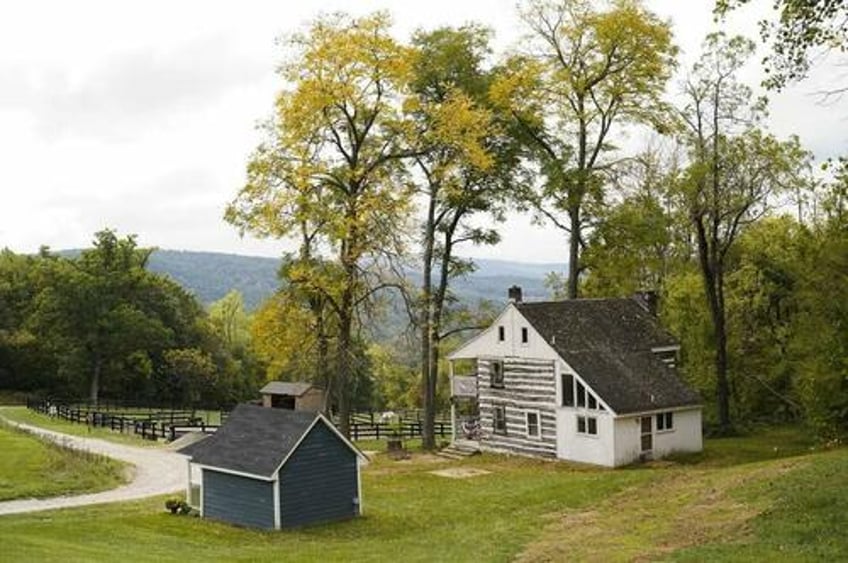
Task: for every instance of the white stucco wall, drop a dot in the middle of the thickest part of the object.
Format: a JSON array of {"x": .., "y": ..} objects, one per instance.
[
  {"x": 572, "y": 446},
  {"x": 486, "y": 344},
  {"x": 686, "y": 436}
]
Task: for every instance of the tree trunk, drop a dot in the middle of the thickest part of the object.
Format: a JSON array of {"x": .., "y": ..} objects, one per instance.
[
  {"x": 574, "y": 254},
  {"x": 94, "y": 389},
  {"x": 428, "y": 396},
  {"x": 343, "y": 377}
]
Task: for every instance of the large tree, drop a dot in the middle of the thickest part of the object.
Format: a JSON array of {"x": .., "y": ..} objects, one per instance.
[
  {"x": 334, "y": 158},
  {"x": 585, "y": 71},
  {"x": 461, "y": 173},
  {"x": 735, "y": 173}
]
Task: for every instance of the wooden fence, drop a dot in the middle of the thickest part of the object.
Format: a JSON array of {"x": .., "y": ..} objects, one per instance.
[
  {"x": 148, "y": 423},
  {"x": 170, "y": 424}
]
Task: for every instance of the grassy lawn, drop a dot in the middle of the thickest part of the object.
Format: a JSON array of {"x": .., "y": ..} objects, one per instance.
[
  {"x": 22, "y": 414},
  {"x": 31, "y": 468},
  {"x": 748, "y": 498}
]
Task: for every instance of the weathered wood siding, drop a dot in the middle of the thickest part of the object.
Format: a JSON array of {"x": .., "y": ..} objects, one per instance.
[
  {"x": 238, "y": 500},
  {"x": 319, "y": 483},
  {"x": 529, "y": 385}
]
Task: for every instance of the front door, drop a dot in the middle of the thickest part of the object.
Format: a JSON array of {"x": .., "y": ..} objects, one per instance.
[{"x": 647, "y": 433}]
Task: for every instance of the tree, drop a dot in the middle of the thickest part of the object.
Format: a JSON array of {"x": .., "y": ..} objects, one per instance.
[
  {"x": 334, "y": 161},
  {"x": 803, "y": 31},
  {"x": 229, "y": 319},
  {"x": 735, "y": 172},
  {"x": 587, "y": 72},
  {"x": 463, "y": 165}
]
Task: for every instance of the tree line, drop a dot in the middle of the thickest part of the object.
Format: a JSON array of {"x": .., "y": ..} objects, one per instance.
[{"x": 382, "y": 153}]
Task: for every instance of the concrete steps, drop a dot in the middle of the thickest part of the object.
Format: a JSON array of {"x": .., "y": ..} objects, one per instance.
[{"x": 458, "y": 452}]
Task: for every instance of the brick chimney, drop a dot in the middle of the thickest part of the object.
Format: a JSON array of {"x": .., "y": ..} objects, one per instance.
[{"x": 514, "y": 294}]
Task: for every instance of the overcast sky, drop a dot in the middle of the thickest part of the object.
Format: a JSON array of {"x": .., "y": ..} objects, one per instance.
[{"x": 141, "y": 115}]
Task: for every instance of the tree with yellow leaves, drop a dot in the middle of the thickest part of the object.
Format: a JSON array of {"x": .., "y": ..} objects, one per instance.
[{"x": 585, "y": 71}]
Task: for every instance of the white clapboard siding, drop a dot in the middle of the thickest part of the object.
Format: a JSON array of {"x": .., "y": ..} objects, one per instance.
[{"x": 529, "y": 385}]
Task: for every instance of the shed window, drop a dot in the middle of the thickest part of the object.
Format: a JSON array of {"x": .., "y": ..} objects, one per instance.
[
  {"x": 581, "y": 394},
  {"x": 567, "y": 389},
  {"x": 501, "y": 334},
  {"x": 587, "y": 425},
  {"x": 533, "y": 426},
  {"x": 525, "y": 335},
  {"x": 665, "y": 421},
  {"x": 496, "y": 374},
  {"x": 499, "y": 419}
]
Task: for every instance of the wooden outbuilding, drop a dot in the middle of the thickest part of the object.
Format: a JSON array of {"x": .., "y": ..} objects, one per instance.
[
  {"x": 292, "y": 395},
  {"x": 276, "y": 468}
]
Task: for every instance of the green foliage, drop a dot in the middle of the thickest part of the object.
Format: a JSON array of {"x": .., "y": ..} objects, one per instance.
[{"x": 800, "y": 34}]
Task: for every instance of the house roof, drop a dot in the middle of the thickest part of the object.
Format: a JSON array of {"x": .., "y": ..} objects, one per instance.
[
  {"x": 608, "y": 342},
  {"x": 257, "y": 440},
  {"x": 296, "y": 388}
]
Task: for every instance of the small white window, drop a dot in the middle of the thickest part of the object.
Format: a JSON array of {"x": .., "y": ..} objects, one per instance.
[
  {"x": 587, "y": 425},
  {"x": 496, "y": 374},
  {"x": 534, "y": 427},
  {"x": 525, "y": 335},
  {"x": 499, "y": 419},
  {"x": 501, "y": 334},
  {"x": 665, "y": 421}
]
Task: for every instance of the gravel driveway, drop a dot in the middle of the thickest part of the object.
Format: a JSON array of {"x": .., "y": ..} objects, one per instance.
[{"x": 156, "y": 472}]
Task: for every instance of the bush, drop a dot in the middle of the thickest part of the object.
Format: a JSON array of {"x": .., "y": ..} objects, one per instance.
[{"x": 177, "y": 506}]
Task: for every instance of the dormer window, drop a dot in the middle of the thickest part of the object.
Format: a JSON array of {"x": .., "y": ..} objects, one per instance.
[{"x": 501, "y": 333}]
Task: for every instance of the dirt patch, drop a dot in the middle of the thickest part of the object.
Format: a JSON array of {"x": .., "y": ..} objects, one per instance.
[
  {"x": 460, "y": 472},
  {"x": 697, "y": 507}
]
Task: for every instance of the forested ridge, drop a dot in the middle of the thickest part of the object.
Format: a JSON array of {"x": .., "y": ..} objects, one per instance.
[{"x": 386, "y": 159}]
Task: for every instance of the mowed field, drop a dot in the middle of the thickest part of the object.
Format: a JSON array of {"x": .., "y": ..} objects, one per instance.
[
  {"x": 768, "y": 495},
  {"x": 32, "y": 468}
]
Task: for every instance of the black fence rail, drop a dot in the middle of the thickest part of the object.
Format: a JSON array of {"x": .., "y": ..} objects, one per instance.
[
  {"x": 403, "y": 430},
  {"x": 148, "y": 424}
]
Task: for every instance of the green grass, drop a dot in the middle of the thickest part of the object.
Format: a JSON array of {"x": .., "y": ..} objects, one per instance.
[
  {"x": 805, "y": 517},
  {"x": 410, "y": 515},
  {"x": 26, "y": 416},
  {"x": 32, "y": 468},
  {"x": 765, "y": 495}
]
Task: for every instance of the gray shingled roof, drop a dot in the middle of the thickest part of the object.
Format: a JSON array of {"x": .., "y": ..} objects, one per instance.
[
  {"x": 296, "y": 389},
  {"x": 253, "y": 440},
  {"x": 608, "y": 342}
]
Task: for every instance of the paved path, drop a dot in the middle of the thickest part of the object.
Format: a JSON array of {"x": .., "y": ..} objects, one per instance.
[{"x": 157, "y": 472}]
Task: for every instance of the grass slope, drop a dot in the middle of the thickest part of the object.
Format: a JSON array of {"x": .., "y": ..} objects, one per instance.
[
  {"x": 31, "y": 468},
  {"x": 742, "y": 499}
]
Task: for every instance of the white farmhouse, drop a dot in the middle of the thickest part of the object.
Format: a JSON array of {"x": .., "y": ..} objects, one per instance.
[{"x": 588, "y": 380}]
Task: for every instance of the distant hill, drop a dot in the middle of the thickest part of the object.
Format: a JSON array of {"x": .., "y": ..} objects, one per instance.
[{"x": 211, "y": 275}]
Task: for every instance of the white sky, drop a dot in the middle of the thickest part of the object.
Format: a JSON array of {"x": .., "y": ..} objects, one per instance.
[{"x": 141, "y": 115}]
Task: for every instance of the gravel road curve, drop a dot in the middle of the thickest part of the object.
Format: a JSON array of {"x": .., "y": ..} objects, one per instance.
[{"x": 155, "y": 472}]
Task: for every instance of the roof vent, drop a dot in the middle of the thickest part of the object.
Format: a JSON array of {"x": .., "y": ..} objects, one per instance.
[{"x": 514, "y": 294}]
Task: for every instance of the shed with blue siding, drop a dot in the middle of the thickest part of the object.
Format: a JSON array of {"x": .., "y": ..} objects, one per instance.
[{"x": 272, "y": 469}]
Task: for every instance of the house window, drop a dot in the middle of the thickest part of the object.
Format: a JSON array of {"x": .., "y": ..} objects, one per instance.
[
  {"x": 591, "y": 402},
  {"x": 499, "y": 419},
  {"x": 534, "y": 429},
  {"x": 587, "y": 425},
  {"x": 581, "y": 394},
  {"x": 567, "y": 389},
  {"x": 525, "y": 335},
  {"x": 665, "y": 421},
  {"x": 501, "y": 334},
  {"x": 496, "y": 374}
]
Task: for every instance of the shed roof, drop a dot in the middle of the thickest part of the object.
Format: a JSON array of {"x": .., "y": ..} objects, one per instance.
[
  {"x": 608, "y": 342},
  {"x": 295, "y": 388},
  {"x": 257, "y": 440}
]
